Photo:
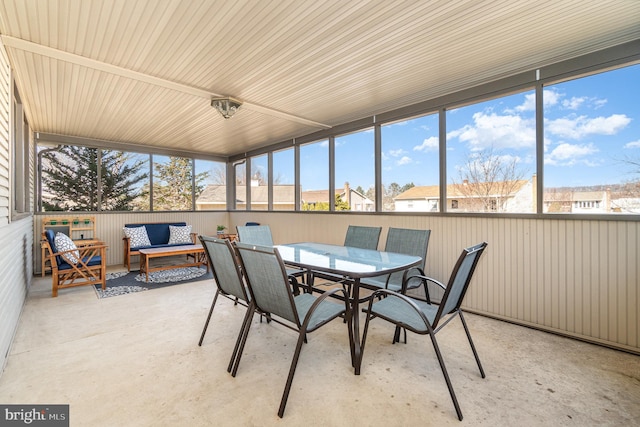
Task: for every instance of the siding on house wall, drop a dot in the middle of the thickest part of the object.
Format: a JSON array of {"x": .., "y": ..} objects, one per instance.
[
  {"x": 5, "y": 140},
  {"x": 16, "y": 241}
]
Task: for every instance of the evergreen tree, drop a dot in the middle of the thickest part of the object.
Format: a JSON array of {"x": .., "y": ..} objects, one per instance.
[
  {"x": 70, "y": 179},
  {"x": 172, "y": 184}
]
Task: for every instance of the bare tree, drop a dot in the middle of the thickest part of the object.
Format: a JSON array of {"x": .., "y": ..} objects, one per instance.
[{"x": 487, "y": 181}]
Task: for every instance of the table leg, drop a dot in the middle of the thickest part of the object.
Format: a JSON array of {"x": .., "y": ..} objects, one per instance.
[
  {"x": 144, "y": 265},
  {"x": 355, "y": 307}
]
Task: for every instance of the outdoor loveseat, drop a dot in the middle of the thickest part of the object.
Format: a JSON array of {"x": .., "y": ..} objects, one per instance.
[{"x": 155, "y": 235}]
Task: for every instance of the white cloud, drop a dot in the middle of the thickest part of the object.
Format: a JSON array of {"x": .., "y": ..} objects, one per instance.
[
  {"x": 565, "y": 154},
  {"x": 429, "y": 144},
  {"x": 574, "y": 103},
  {"x": 396, "y": 153},
  {"x": 529, "y": 104},
  {"x": 405, "y": 160},
  {"x": 498, "y": 131},
  {"x": 550, "y": 97},
  {"x": 634, "y": 144},
  {"x": 576, "y": 127}
]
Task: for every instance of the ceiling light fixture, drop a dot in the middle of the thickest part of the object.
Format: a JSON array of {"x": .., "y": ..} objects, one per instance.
[{"x": 226, "y": 106}]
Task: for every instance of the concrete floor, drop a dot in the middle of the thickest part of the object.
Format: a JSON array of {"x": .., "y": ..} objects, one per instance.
[{"x": 133, "y": 360}]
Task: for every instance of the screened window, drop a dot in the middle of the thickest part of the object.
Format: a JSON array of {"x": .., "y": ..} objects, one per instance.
[
  {"x": 592, "y": 144},
  {"x": 314, "y": 176},
  {"x": 410, "y": 165},
  {"x": 355, "y": 172},
  {"x": 240, "y": 170},
  {"x": 491, "y": 152},
  {"x": 211, "y": 185},
  {"x": 284, "y": 180},
  {"x": 172, "y": 183},
  {"x": 260, "y": 183},
  {"x": 124, "y": 181}
]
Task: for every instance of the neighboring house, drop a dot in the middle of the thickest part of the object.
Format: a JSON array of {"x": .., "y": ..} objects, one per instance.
[
  {"x": 592, "y": 200},
  {"x": 507, "y": 196},
  {"x": 214, "y": 197},
  {"x": 521, "y": 198},
  {"x": 356, "y": 200}
]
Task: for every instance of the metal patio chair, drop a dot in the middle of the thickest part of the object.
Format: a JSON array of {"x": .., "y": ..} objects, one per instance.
[
  {"x": 423, "y": 317},
  {"x": 403, "y": 241},
  {"x": 261, "y": 235},
  {"x": 362, "y": 237},
  {"x": 271, "y": 293},
  {"x": 229, "y": 282}
]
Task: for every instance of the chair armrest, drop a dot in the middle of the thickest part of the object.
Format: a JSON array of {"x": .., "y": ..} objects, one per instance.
[
  {"x": 320, "y": 300},
  {"x": 424, "y": 280},
  {"x": 295, "y": 286},
  {"x": 84, "y": 251},
  {"x": 194, "y": 237}
]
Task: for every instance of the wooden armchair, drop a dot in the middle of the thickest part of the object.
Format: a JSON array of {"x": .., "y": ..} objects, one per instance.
[{"x": 90, "y": 268}]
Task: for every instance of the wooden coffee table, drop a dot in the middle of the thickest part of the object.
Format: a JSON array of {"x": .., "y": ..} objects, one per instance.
[{"x": 196, "y": 250}]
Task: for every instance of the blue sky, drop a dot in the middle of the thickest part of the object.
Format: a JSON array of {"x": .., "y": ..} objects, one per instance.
[{"x": 592, "y": 126}]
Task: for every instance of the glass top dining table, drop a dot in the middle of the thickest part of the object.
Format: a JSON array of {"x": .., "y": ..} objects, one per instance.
[{"x": 352, "y": 263}]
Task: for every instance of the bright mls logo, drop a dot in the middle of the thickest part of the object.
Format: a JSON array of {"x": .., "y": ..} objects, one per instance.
[{"x": 36, "y": 415}]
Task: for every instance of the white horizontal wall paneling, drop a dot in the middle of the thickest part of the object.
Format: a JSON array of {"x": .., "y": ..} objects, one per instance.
[{"x": 16, "y": 274}]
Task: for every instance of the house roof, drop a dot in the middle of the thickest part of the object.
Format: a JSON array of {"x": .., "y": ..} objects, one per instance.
[
  {"x": 144, "y": 72},
  {"x": 453, "y": 190}
]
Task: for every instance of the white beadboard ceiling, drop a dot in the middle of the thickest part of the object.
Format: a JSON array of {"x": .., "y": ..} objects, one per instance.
[{"x": 143, "y": 71}]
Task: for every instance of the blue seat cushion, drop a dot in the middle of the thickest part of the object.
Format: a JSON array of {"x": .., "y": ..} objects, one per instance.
[
  {"x": 96, "y": 260},
  {"x": 158, "y": 232},
  {"x": 160, "y": 246}
]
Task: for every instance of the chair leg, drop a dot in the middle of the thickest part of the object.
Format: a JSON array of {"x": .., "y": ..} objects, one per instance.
[
  {"x": 54, "y": 284},
  {"x": 292, "y": 371},
  {"x": 396, "y": 335},
  {"x": 206, "y": 324},
  {"x": 248, "y": 317},
  {"x": 364, "y": 333},
  {"x": 446, "y": 376},
  {"x": 473, "y": 347},
  {"x": 242, "y": 339}
]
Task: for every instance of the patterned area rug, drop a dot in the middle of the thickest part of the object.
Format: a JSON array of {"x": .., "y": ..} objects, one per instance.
[{"x": 122, "y": 283}]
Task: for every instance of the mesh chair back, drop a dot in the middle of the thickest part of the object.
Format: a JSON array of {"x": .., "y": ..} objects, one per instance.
[
  {"x": 408, "y": 242},
  {"x": 362, "y": 237},
  {"x": 255, "y": 235},
  {"x": 224, "y": 265},
  {"x": 267, "y": 280},
  {"x": 460, "y": 279}
]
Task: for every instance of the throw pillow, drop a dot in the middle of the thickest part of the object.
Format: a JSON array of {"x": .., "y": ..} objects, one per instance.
[
  {"x": 137, "y": 236},
  {"x": 179, "y": 234},
  {"x": 64, "y": 243}
]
